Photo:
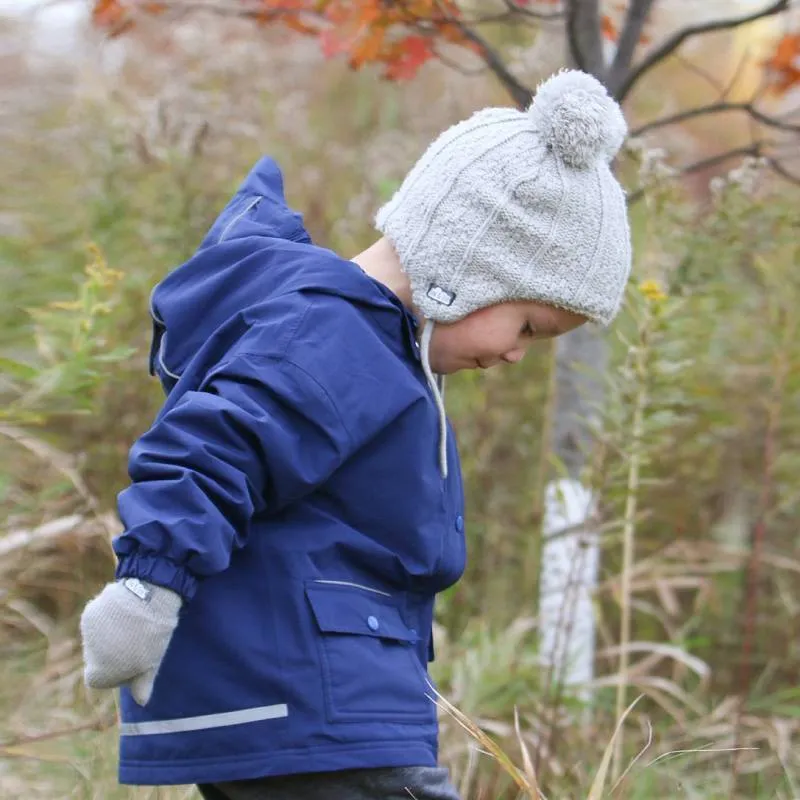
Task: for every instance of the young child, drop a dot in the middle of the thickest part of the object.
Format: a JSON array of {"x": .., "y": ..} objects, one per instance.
[{"x": 297, "y": 503}]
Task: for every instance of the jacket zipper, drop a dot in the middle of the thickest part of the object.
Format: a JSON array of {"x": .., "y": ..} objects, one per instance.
[{"x": 254, "y": 202}]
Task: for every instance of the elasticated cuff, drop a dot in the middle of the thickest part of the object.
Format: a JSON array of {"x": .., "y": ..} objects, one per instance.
[{"x": 159, "y": 571}]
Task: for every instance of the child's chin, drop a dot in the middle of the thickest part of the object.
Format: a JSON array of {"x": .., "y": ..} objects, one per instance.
[{"x": 450, "y": 368}]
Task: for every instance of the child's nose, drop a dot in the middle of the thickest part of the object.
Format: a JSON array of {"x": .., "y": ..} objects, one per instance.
[{"x": 514, "y": 356}]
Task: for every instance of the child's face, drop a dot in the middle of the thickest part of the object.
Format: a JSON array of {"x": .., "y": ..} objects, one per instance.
[{"x": 497, "y": 334}]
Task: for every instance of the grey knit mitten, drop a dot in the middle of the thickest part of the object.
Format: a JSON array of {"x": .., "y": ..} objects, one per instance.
[{"x": 126, "y": 630}]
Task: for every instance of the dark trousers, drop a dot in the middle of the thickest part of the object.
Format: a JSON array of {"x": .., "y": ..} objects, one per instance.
[{"x": 386, "y": 783}]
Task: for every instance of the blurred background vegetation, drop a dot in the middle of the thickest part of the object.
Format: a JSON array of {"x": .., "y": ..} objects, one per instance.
[{"x": 117, "y": 156}]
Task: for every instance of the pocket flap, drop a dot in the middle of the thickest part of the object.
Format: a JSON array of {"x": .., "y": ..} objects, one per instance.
[{"x": 349, "y": 609}]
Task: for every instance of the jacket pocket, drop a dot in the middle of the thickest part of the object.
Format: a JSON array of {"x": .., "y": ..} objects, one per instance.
[{"x": 370, "y": 668}]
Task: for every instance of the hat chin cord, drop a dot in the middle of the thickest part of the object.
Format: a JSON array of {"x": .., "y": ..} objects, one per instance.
[{"x": 436, "y": 383}]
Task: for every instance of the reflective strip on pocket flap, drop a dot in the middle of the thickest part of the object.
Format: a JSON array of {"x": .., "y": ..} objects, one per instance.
[{"x": 346, "y": 609}]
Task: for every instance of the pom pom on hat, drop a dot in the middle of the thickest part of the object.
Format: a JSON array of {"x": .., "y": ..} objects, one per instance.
[{"x": 577, "y": 119}]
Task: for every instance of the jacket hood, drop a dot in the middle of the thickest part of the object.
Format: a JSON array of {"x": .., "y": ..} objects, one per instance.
[{"x": 257, "y": 248}]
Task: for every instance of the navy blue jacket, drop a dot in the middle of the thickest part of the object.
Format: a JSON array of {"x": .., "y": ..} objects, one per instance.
[{"x": 289, "y": 490}]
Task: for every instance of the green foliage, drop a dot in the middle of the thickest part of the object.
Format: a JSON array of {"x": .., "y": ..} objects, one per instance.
[{"x": 71, "y": 344}]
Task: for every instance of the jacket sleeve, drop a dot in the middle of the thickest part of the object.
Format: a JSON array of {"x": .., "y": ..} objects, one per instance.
[{"x": 258, "y": 434}]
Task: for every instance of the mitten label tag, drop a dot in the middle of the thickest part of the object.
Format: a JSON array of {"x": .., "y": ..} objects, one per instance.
[{"x": 138, "y": 588}]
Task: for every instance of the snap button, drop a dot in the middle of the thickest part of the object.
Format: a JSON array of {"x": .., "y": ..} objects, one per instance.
[
  {"x": 459, "y": 523},
  {"x": 372, "y": 623}
]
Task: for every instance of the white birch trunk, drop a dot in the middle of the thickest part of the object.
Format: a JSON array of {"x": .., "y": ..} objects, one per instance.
[{"x": 567, "y": 583}]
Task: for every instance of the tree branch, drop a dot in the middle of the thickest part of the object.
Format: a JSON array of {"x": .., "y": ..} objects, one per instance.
[
  {"x": 754, "y": 150},
  {"x": 583, "y": 36},
  {"x": 520, "y": 94},
  {"x": 247, "y": 10},
  {"x": 696, "y": 69},
  {"x": 782, "y": 171},
  {"x": 717, "y": 108},
  {"x": 504, "y": 16},
  {"x": 516, "y": 8},
  {"x": 450, "y": 64},
  {"x": 573, "y": 43},
  {"x": 679, "y": 37},
  {"x": 512, "y": 13},
  {"x": 736, "y": 74},
  {"x": 635, "y": 20}
]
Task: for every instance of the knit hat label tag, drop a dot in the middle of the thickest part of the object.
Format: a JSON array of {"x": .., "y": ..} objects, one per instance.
[{"x": 441, "y": 296}]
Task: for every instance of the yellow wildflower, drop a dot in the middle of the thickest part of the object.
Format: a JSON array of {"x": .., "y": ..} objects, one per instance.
[{"x": 652, "y": 290}]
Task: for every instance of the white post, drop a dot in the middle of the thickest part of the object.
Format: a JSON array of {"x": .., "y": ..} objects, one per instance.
[{"x": 569, "y": 571}]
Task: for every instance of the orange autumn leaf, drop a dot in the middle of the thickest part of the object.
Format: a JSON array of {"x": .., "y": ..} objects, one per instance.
[
  {"x": 415, "y": 51},
  {"x": 115, "y": 15},
  {"x": 368, "y": 48},
  {"x": 332, "y": 44},
  {"x": 362, "y": 31},
  {"x": 289, "y": 12},
  {"x": 783, "y": 66},
  {"x": 377, "y": 32},
  {"x": 299, "y": 26},
  {"x": 111, "y": 15},
  {"x": 608, "y": 28}
]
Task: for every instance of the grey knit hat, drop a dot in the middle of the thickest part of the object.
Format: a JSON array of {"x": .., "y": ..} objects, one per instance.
[{"x": 518, "y": 205}]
